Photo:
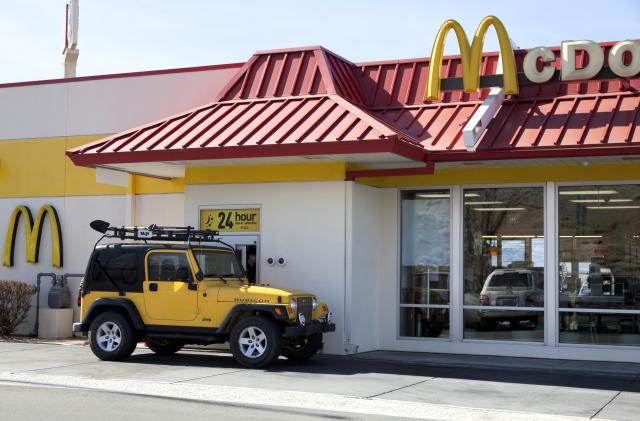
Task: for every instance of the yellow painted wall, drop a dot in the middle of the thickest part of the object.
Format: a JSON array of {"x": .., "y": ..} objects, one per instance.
[
  {"x": 39, "y": 167},
  {"x": 519, "y": 174},
  {"x": 313, "y": 171}
]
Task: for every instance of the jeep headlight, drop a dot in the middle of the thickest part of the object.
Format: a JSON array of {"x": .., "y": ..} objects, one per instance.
[
  {"x": 314, "y": 302},
  {"x": 293, "y": 304}
]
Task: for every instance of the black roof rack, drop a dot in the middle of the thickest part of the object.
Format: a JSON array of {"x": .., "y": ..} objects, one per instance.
[{"x": 155, "y": 233}]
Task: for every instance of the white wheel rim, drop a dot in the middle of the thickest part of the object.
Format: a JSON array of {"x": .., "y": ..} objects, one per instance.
[
  {"x": 253, "y": 342},
  {"x": 108, "y": 336}
]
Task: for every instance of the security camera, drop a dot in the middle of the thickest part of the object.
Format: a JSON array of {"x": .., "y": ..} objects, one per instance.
[
  {"x": 282, "y": 261},
  {"x": 270, "y": 261}
]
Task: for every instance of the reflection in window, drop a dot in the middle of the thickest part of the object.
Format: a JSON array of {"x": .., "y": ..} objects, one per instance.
[
  {"x": 599, "y": 246},
  {"x": 503, "y": 248},
  {"x": 424, "y": 277},
  {"x": 600, "y": 328},
  {"x": 599, "y": 249}
]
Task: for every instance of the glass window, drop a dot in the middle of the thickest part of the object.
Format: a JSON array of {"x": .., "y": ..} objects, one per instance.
[
  {"x": 215, "y": 263},
  {"x": 600, "y": 328},
  {"x": 599, "y": 269},
  {"x": 424, "y": 271},
  {"x": 173, "y": 267},
  {"x": 121, "y": 267},
  {"x": 503, "y": 248}
]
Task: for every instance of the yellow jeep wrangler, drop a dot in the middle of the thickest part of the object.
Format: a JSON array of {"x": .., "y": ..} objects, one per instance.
[{"x": 168, "y": 289}]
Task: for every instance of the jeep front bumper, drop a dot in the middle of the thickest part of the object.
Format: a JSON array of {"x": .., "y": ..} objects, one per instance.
[{"x": 309, "y": 329}]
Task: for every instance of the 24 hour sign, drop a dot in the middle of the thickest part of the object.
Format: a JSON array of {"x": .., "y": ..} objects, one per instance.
[{"x": 230, "y": 220}]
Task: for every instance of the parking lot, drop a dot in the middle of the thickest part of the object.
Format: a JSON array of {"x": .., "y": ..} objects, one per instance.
[{"x": 363, "y": 384}]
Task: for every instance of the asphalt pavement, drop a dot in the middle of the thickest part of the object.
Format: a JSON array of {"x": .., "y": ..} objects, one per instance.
[{"x": 67, "y": 380}]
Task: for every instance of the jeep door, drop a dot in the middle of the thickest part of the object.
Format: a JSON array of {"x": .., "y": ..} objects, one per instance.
[{"x": 168, "y": 295}]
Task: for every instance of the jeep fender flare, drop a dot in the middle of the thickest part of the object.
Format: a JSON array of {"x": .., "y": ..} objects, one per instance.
[
  {"x": 244, "y": 308},
  {"x": 122, "y": 303}
]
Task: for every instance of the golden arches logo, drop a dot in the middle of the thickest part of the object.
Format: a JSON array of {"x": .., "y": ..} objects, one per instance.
[
  {"x": 33, "y": 234},
  {"x": 471, "y": 57}
]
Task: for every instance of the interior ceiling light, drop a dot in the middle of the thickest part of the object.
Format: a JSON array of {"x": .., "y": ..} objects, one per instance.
[
  {"x": 586, "y": 192},
  {"x": 500, "y": 209},
  {"x": 580, "y": 236},
  {"x": 433, "y": 196},
  {"x": 601, "y": 200},
  {"x": 471, "y": 195},
  {"x": 613, "y": 207},
  {"x": 518, "y": 236},
  {"x": 483, "y": 203}
]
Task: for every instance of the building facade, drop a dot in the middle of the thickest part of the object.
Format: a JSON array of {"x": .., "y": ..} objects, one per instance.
[{"x": 345, "y": 181}]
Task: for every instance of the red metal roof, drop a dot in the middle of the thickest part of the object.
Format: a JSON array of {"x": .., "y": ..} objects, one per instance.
[
  {"x": 302, "y": 123},
  {"x": 312, "y": 101}
]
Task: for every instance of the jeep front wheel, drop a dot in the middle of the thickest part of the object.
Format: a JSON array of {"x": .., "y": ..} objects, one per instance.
[
  {"x": 255, "y": 342},
  {"x": 111, "y": 337},
  {"x": 303, "y": 347},
  {"x": 163, "y": 346}
]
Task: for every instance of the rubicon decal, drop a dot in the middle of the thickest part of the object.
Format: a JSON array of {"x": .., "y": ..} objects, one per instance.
[
  {"x": 538, "y": 66},
  {"x": 33, "y": 234}
]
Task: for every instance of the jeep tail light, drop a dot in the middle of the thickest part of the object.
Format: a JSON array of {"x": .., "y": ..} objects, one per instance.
[
  {"x": 484, "y": 300},
  {"x": 79, "y": 300}
]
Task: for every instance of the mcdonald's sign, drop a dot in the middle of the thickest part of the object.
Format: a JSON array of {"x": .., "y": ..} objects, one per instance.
[
  {"x": 623, "y": 61},
  {"x": 33, "y": 234}
]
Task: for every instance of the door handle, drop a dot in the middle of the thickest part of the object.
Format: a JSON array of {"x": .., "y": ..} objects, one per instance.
[{"x": 153, "y": 287}]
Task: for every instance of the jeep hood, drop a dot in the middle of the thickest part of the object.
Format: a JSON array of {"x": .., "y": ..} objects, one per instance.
[{"x": 255, "y": 293}]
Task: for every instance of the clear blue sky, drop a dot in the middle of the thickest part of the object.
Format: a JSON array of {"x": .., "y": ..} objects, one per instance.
[{"x": 131, "y": 35}]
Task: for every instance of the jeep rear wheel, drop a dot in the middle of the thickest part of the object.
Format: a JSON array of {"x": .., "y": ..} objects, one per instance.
[
  {"x": 255, "y": 342},
  {"x": 111, "y": 337},
  {"x": 303, "y": 347},
  {"x": 163, "y": 346}
]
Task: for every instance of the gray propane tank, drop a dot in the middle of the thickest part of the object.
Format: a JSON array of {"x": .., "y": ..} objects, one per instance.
[{"x": 59, "y": 294}]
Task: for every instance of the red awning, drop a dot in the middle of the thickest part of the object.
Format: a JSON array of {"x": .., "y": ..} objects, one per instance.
[{"x": 309, "y": 101}]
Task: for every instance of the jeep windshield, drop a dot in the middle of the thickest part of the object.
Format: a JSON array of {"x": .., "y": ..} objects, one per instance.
[{"x": 218, "y": 263}]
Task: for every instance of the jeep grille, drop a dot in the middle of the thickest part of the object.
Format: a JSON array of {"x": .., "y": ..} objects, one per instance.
[{"x": 305, "y": 306}]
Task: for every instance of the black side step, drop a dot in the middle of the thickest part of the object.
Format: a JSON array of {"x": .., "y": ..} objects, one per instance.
[{"x": 189, "y": 338}]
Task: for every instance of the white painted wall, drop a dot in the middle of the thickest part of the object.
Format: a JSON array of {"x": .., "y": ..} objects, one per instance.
[
  {"x": 160, "y": 209},
  {"x": 389, "y": 268},
  {"x": 103, "y": 105},
  {"x": 303, "y": 221},
  {"x": 364, "y": 259},
  {"x": 75, "y": 213}
]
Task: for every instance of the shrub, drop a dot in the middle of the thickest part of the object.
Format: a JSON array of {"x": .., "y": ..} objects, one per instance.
[{"x": 15, "y": 303}]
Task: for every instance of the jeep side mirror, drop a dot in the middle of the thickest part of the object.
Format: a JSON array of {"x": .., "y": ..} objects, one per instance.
[{"x": 199, "y": 275}]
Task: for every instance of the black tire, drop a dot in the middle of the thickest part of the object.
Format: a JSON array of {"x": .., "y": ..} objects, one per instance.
[
  {"x": 163, "y": 346},
  {"x": 128, "y": 338},
  {"x": 251, "y": 329},
  {"x": 302, "y": 348}
]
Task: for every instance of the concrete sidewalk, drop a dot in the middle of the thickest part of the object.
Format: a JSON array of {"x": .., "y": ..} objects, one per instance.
[
  {"x": 605, "y": 368},
  {"x": 433, "y": 386}
]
